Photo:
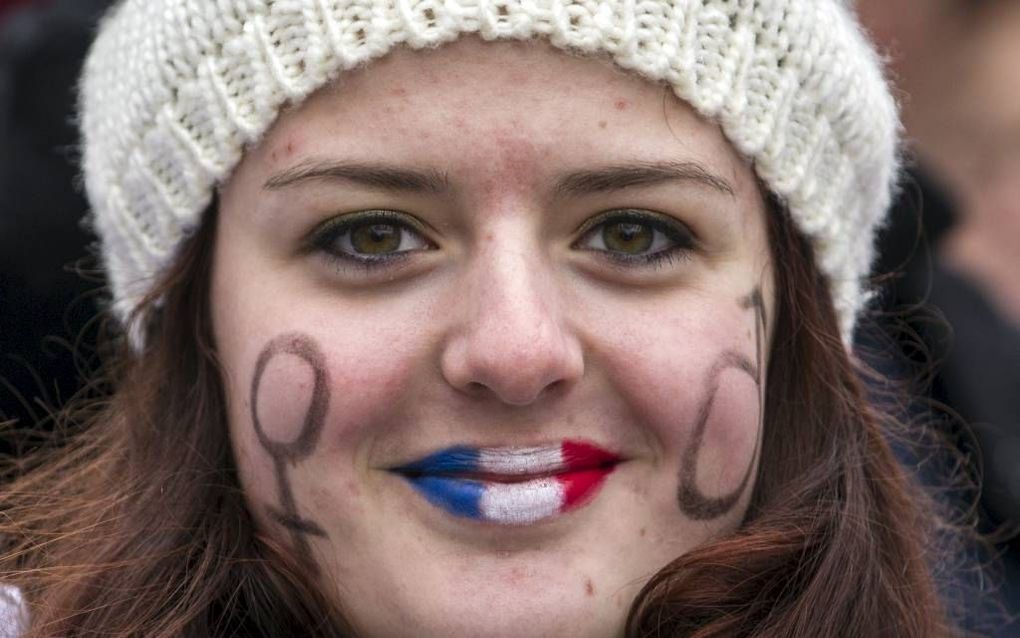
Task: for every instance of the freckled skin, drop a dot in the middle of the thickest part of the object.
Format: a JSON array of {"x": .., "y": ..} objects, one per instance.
[{"x": 505, "y": 325}]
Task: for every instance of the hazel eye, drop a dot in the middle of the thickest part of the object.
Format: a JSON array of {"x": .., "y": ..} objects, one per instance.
[
  {"x": 637, "y": 237},
  {"x": 370, "y": 238},
  {"x": 376, "y": 239},
  {"x": 628, "y": 237}
]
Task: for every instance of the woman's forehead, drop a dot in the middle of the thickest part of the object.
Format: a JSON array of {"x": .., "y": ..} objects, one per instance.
[{"x": 515, "y": 108}]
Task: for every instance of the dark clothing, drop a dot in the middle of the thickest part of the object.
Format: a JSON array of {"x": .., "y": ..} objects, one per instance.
[{"x": 42, "y": 307}]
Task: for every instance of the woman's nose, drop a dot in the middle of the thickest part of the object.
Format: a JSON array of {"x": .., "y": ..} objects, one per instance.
[{"x": 509, "y": 339}]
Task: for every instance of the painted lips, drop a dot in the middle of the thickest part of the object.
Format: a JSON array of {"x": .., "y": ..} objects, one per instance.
[{"x": 511, "y": 486}]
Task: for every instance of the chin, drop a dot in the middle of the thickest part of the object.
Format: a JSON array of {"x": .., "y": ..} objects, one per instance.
[{"x": 503, "y": 610}]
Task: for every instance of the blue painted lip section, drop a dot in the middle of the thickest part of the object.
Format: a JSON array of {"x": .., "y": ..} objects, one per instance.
[
  {"x": 454, "y": 460},
  {"x": 460, "y": 497}
]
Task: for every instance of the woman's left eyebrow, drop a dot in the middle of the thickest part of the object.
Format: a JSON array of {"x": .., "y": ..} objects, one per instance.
[{"x": 618, "y": 177}]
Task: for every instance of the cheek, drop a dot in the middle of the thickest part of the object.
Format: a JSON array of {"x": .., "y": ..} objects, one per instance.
[
  {"x": 729, "y": 436},
  {"x": 283, "y": 398},
  {"x": 374, "y": 389},
  {"x": 311, "y": 407},
  {"x": 663, "y": 376},
  {"x": 309, "y": 410},
  {"x": 699, "y": 407},
  {"x": 694, "y": 389}
]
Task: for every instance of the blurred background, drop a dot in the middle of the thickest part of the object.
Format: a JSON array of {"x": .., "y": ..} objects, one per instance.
[
  {"x": 45, "y": 302},
  {"x": 949, "y": 272}
]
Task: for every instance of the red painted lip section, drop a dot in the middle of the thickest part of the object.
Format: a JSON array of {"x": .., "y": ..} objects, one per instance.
[
  {"x": 588, "y": 466},
  {"x": 578, "y": 455},
  {"x": 581, "y": 487}
]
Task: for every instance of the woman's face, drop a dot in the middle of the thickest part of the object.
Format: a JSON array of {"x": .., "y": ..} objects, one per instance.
[{"x": 494, "y": 325}]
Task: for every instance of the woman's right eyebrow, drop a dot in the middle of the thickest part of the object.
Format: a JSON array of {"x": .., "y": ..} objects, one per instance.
[{"x": 378, "y": 176}]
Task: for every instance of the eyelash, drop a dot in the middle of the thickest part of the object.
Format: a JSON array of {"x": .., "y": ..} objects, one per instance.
[
  {"x": 325, "y": 238},
  {"x": 673, "y": 230}
]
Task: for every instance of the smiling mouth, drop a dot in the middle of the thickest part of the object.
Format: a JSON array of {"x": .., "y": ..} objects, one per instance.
[{"x": 511, "y": 486}]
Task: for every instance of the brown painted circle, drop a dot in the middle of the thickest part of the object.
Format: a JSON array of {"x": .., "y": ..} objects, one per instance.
[{"x": 305, "y": 348}]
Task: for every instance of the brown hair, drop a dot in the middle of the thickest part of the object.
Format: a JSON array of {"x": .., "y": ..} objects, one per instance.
[{"x": 134, "y": 522}]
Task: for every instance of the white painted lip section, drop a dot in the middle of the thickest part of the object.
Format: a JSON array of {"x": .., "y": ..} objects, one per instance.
[
  {"x": 522, "y": 503},
  {"x": 521, "y": 461}
]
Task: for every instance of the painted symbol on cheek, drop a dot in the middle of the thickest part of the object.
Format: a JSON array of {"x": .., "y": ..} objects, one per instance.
[
  {"x": 291, "y": 452},
  {"x": 692, "y": 501}
]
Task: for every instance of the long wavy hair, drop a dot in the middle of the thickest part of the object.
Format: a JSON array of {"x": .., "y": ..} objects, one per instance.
[{"x": 131, "y": 519}]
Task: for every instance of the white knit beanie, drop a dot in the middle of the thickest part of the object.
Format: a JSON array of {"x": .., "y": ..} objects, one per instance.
[{"x": 173, "y": 92}]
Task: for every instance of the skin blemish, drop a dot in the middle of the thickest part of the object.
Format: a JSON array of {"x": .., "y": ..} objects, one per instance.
[
  {"x": 603, "y": 124},
  {"x": 589, "y": 587},
  {"x": 644, "y": 532},
  {"x": 302, "y": 435},
  {"x": 621, "y": 104},
  {"x": 692, "y": 500},
  {"x": 517, "y": 575},
  {"x": 290, "y": 148},
  {"x": 352, "y": 487},
  {"x": 399, "y": 92}
]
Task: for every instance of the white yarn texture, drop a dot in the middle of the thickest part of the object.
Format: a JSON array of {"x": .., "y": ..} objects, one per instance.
[{"x": 173, "y": 91}]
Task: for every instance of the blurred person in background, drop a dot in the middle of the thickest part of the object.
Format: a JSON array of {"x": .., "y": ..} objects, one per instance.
[{"x": 956, "y": 62}]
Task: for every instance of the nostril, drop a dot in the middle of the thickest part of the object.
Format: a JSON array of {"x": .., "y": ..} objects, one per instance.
[
  {"x": 475, "y": 387},
  {"x": 553, "y": 387},
  {"x": 519, "y": 396}
]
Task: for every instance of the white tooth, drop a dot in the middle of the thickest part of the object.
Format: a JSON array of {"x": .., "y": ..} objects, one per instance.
[
  {"x": 521, "y": 461},
  {"x": 522, "y": 503}
]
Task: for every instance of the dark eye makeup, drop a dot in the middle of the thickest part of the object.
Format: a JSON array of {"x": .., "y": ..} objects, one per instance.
[
  {"x": 369, "y": 239},
  {"x": 631, "y": 237},
  {"x": 376, "y": 239}
]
